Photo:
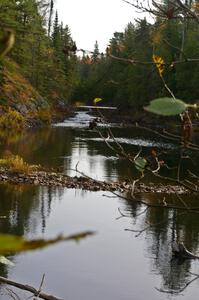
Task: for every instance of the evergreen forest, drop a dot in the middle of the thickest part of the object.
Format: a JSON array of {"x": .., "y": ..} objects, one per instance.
[
  {"x": 40, "y": 70},
  {"x": 47, "y": 58}
]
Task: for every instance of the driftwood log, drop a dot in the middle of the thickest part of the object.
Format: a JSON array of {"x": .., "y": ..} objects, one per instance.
[
  {"x": 28, "y": 288},
  {"x": 179, "y": 250}
]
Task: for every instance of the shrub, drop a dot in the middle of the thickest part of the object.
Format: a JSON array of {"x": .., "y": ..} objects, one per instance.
[
  {"x": 12, "y": 119},
  {"x": 15, "y": 163}
]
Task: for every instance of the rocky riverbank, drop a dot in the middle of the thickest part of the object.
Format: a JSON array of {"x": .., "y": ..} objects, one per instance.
[{"x": 47, "y": 178}]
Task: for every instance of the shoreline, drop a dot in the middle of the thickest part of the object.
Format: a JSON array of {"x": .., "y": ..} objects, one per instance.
[{"x": 55, "y": 179}]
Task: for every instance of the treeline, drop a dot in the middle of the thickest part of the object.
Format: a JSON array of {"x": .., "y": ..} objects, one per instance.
[
  {"x": 44, "y": 49},
  {"x": 133, "y": 84},
  {"x": 47, "y": 55}
]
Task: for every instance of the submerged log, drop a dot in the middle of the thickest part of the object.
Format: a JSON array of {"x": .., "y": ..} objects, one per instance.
[{"x": 179, "y": 250}]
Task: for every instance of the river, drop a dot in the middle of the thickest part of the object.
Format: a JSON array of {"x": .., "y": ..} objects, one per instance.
[{"x": 114, "y": 264}]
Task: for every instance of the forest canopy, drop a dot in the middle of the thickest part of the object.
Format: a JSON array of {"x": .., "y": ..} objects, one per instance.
[
  {"x": 126, "y": 75},
  {"x": 42, "y": 47}
]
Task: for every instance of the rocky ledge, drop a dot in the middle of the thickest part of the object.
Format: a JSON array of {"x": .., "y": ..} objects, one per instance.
[{"x": 46, "y": 178}]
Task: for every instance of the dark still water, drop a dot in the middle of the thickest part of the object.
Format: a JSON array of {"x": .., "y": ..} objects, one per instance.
[{"x": 113, "y": 264}]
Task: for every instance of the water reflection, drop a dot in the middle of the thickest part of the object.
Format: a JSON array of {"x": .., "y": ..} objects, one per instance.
[
  {"x": 114, "y": 264},
  {"x": 161, "y": 228},
  {"x": 46, "y": 211},
  {"x": 64, "y": 146}
]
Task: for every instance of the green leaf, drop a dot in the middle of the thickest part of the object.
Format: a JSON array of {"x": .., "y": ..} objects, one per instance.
[
  {"x": 12, "y": 243},
  {"x": 5, "y": 261},
  {"x": 140, "y": 164},
  {"x": 166, "y": 106},
  {"x": 96, "y": 100},
  {"x": 7, "y": 39}
]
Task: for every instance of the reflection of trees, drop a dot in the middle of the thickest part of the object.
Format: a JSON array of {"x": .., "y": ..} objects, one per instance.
[
  {"x": 95, "y": 146},
  {"x": 51, "y": 146},
  {"x": 26, "y": 209},
  {"x": 42, "y": 146},
  {"x": 166, "y": 226}
]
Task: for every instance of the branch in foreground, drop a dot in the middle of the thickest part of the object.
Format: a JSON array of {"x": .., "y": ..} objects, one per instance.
[
  {"x": 176, "y": 9},
  {"x": 139, "y": 62},
  {"x": 28, "y": 288}
]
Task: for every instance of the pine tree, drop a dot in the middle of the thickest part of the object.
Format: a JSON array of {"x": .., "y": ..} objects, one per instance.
[
  {"x": 96, "y": 53},
  {"x": 56, "y": 33},
  {"x": 50, "y": 17}
]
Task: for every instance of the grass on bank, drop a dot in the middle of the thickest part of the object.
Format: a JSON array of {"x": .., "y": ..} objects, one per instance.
[{"x": 15, "y": 163}]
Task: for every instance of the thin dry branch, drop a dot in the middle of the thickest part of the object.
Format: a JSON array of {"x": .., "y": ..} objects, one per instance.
[
  {"x": 176, "y": 48},
  {"x": 150, "y": 205},
  {"x": 28, "y": 288},
  {"x": 123, "y": 215},
  {"x": 194, "y": 188},
  {"x": 148, "y": 63},
  {"x": 176, "y": 9},
  {"x": 40, "y": 287},
  {"x": 140, "y": 231},
  {"x": 188, "y": 10}
]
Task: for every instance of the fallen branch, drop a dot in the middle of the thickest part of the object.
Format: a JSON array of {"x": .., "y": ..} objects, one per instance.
[{"x": 28, "y": 288}]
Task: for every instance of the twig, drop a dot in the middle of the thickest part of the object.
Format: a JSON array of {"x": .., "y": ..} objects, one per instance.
[
  {"x": 183, "y": 202},
  {"x": 194, "y": 190},
  {"x": 122, "y": 215},
  {"x": 40, "y": 287},
  {"x": 175, "y": 47},
  {"x": 188, "y": 10},
  {"x": 146, "y": 63},
  {"x": 168, "y": 206},
  {"x": 139, "y": 232}
]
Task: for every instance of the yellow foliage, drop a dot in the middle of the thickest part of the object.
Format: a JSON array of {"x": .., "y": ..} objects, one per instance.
[
  {"x": 96, "y": 100},
  {"x": 12, "y": 119},
  {"x": 160, "y": 64},
  {"x": 15, "y": 163}
]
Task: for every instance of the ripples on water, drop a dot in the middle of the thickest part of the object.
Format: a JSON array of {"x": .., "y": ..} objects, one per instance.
[{"x": 135, "y": 142}]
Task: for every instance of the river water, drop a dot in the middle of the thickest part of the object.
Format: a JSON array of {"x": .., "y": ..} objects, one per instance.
[{"x": 114, "y": 264}]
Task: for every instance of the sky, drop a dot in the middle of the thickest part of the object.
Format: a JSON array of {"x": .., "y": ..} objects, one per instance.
[{"x": 91, "y": 20}]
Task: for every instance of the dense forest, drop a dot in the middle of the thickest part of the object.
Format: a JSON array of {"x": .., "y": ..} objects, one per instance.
[
  {"x": 133, "y": 83},
  {"x": 46, "y": 68},
  {"x": 40, "y": 70}
]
